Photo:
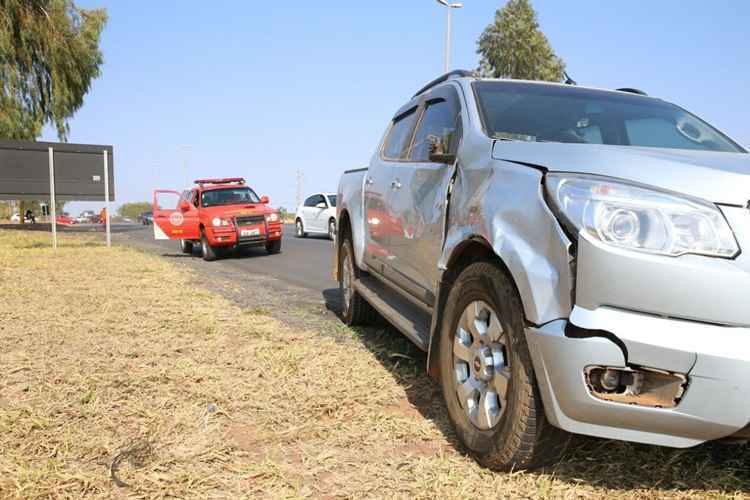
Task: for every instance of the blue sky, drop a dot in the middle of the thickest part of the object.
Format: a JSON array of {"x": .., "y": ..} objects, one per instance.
[{"x": 261, "y": 89}]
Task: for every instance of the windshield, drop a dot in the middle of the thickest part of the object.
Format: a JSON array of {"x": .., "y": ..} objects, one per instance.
[
  {"x": 228, "y": 196},
  {"x": 332, "y": 199},
  {"x": 551, "y": 113}
]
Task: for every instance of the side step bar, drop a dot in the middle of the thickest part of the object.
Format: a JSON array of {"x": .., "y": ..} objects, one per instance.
[{"x": 407, "y": 317}]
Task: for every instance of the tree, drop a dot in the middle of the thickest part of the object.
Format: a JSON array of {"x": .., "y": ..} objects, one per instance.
[
  {"x": 514, "y": 46},
  {"x": 133, "y": 210},
  {"x": 49, "y": 55}
]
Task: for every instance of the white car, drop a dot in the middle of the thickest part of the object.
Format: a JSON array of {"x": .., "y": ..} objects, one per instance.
[{"x": 317, "y": 215}]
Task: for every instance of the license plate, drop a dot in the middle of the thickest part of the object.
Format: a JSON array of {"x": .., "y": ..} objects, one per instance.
[{"x": 250, "y": 232}]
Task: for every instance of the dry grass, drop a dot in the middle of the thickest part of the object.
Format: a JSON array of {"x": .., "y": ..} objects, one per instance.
[{"x": 113, "y": 358}]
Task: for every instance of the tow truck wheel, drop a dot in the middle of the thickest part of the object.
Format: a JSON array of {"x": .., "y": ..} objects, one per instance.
[
  {"x": 355, "y": 310},
  {"x": 299, "y": 229},
  {"x": 487, "y": 377},
  {"x": 273, "y": 247},
  {"x": 209, "y": 252},
  {"x": 186, "y": 246}
]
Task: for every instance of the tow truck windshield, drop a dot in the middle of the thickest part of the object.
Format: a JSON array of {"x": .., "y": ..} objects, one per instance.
[{"x": 228, "y": 196}]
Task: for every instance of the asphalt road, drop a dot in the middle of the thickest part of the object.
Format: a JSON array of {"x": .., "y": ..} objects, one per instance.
[{"x": 304, "y": 262}]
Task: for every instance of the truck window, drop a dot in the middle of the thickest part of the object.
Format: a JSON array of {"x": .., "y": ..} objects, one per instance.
[
  {"x": 399, "y": 137},
  {"x": 440, "y": 119},
  {"x": 521, "y": 111}
]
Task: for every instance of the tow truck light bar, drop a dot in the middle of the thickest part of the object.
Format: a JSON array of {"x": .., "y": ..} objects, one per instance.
[{"x": 228, "y": 180}]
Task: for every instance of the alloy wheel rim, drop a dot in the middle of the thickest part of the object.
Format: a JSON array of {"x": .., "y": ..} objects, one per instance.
[
  {"x": 331, "y": 230},
  {"x": 299, "y": 228},
  {"x": 480, "y": 365}
]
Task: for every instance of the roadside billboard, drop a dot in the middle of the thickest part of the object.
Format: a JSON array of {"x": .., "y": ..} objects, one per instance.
[{"x": 79, "y": 171}]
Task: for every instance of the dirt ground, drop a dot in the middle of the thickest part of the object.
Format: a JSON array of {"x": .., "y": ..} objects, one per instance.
[{"x": 121, "y": 375}]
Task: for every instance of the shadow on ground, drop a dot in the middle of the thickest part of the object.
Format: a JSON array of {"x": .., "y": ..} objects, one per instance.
[{"x": 599, "y": 462}]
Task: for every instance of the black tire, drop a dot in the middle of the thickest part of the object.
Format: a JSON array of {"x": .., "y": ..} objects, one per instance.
[
  {"x": 332, "y": 229},
  {"x": 521, "y": 438},
  {"x": 274, "y": 246},
  {"x": 299, "y": 229},
  {"x": 186, "y": 246},
  {"x": 355, "y": 310},
  {"x": 209, "y": 252}
]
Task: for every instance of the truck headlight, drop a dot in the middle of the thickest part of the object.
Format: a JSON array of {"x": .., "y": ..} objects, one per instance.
[
  {"x": 638, "y": 218},
  {"x": 272, "y": 217},
  {"x": 218, "y": 221}
]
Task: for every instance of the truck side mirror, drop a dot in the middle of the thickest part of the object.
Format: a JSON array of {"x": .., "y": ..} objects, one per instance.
[
  {"x": 439, "y": 151},
  {"x": 265, "y": 200},
  {"x": 184, "y": 206}
]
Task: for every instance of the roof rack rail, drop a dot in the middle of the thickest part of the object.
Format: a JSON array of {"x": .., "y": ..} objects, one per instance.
[
  {"x": 632, "y": 91},
  {"x": 459, "y": 73},
  {"x": 226, "y": 180}
]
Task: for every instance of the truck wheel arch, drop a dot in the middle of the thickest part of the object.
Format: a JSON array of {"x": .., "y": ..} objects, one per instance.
[{"x": 473, "y": 249}]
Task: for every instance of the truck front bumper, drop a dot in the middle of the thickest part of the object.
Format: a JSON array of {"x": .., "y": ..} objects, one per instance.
[
  {"x": 230, "y": 237},
  {"x": 715, "y": 361}
]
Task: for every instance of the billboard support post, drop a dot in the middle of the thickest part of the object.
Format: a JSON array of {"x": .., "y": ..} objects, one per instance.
[
  {"x": 106, "y": 197},
  {"x": 53, "y": 207}
]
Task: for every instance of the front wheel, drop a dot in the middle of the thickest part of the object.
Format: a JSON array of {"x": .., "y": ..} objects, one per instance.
[
  {"x": 355, "y": 310},
  {"x": 209, "y": 252},
  {"x": 332, "y": 229},
  {"x": 273, "y": 247},
  {"x": 186, "y": 246},
  {"x": 487, "y": 377},
  {"x": 299, "y": 229}
]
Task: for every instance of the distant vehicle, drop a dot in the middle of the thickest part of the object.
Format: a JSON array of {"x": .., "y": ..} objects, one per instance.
[
  {"x": 218, "y": 215},
  {"x": 85, "y": 217},
  {"x": 27, "y": 219},
  {"x": 65, "y": 220},
  {"x": 146, "y": 218},
  {"x": 572, "y": 259},
  {"x": 317, "y": 215}
]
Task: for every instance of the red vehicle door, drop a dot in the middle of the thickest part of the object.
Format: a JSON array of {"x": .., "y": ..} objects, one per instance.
[{"x": 175, "y": 218}]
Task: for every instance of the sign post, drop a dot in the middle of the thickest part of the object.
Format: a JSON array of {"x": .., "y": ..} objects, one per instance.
[
  {"x": 53, "y": 207},
  {"x": 106, "y": 197}
]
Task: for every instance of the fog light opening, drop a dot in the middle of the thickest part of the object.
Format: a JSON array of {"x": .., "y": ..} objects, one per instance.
[{"x": 636, "y": 386}]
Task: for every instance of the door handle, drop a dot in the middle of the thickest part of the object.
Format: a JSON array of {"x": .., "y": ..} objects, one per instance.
[
  {"x": 369, "y": 181},
  {"x": 396, "y": 184}
]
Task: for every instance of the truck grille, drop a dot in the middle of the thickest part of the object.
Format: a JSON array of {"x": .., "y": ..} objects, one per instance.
[{"x": 249, "y": 220}]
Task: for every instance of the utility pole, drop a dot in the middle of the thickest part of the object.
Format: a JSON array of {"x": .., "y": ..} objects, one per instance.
[
  {"x": 298, "y": 200},
  {"x": 448, "y": 28},
  {"x": 186, "y": 152}
]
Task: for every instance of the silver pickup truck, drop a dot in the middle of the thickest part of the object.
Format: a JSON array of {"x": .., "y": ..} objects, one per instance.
[{"x": 572, "y": 259}]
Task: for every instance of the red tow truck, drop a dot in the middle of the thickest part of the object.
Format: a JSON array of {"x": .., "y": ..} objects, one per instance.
[{"x": 218, "y": 215}]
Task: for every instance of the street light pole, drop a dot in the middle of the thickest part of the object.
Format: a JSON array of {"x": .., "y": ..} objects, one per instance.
[{"x": 449, "y": 6}]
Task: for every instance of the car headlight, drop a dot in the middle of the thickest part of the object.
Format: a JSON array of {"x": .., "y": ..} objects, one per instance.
[
  {"x": 638, "y": 218},
  {"x": 272, "y": 217}
]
